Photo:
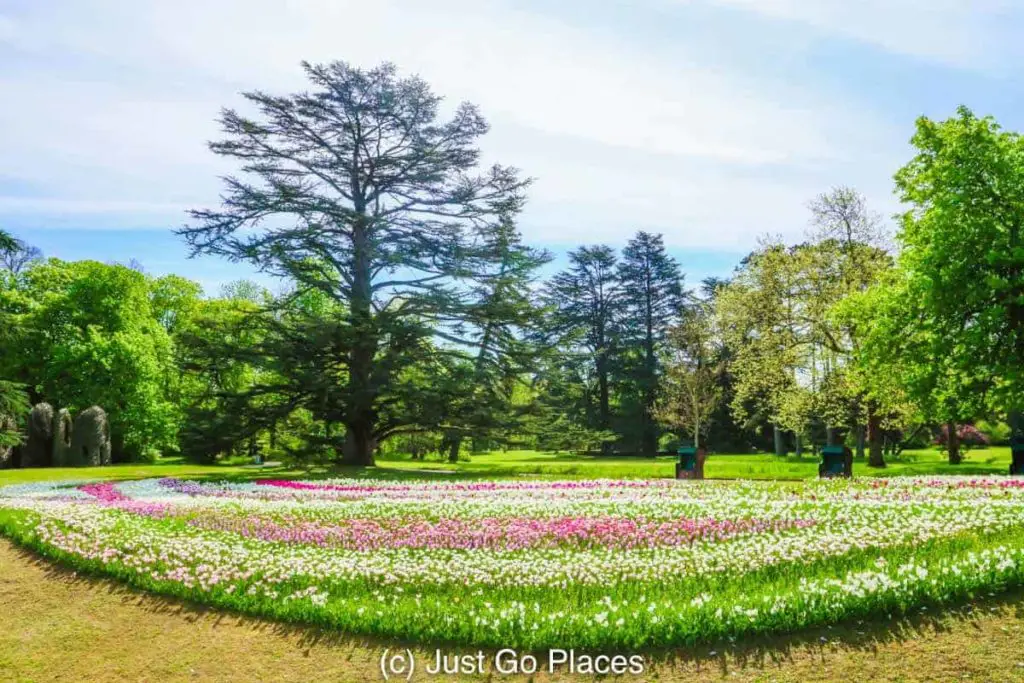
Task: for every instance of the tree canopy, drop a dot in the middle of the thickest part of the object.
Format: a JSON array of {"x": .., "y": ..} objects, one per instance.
[
  {"x": 397, "y": 308},
  {"x": 358, "y": 191}
]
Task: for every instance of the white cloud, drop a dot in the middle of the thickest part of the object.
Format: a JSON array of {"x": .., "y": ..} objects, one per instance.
[
  {"x": 964, "y": 33},
  {"x": 88, "y": 137},
  {"x": 62, "y": 206},
  {"x": 116, "y": 101}
]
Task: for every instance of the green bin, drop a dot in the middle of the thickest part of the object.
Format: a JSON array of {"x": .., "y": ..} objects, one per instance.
[{"x": 834, "y": 462}]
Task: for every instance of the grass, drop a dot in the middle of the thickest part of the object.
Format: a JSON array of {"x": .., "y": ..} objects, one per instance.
[
  {"x": 168, "y": 467},
  {"x": 537, "y": 464},
  {"x": 924, "y": 462}
]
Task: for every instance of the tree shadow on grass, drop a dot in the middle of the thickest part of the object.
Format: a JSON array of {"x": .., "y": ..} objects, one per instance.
[
  {"x": 745, "y": 655},
  {"x": 426, "y": 473},
  {"x": 866, "y": 637}
]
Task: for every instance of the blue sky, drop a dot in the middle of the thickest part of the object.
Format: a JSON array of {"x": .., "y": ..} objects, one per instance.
[{"x": 711, "y": 121}]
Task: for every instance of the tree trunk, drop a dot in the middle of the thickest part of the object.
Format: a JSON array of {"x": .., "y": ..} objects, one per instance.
[
  {"x": 359, "y": 444},
  {"x": 799, "y": 444},
  {"x": 117, "y": 453},
  {"x": 603, "y": 393},
  {"x": 649, "y": 443},
  {"x": 454, "y": 446},
  {"x": 604, "y": 412},
  {"x": 780, "y": 447},
  {"x": 830, "y": 436},
  {"x": 360, "y": 412},
  {"x": 875, "y": 456},
  {"x": 953, "y": 443},
  {"x": 860, "y": 441},
  {"x": 1015, "y": 420}
]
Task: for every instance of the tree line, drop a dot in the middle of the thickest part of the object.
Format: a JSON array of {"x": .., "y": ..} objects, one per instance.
[{"x": 412, "y": 318}]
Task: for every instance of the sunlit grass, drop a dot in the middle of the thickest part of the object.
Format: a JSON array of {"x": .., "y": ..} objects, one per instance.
[
  {"x": 500, "y": 464},
  {"x": 719, "y": 466}
]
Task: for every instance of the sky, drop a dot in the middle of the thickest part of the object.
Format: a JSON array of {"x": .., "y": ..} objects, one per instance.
[{"x": 713, "y": 122}]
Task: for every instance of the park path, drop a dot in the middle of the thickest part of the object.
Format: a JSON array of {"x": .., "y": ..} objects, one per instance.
[{"x": 58, "y": 626}]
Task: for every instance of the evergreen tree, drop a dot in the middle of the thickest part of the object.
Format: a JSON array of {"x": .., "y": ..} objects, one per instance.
[
  {"x": 586, "y": 301},
  {"x": 7, "y": 241},
  {"x": 14, "y": 406},
  {"x": 500, "y": 321},
  {"x": 356, "y": 190},
  {"x": 15, "y": 254},
  {"x": 560, "y": 413},
  {"x": 653, "y": 299}
]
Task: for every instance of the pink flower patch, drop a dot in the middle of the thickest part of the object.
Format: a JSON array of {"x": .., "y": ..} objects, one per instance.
[
  {"x": 495, "y": 533},
  {"x": 104, "y": 491}
]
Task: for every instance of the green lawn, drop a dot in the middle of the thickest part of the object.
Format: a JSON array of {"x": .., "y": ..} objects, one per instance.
[
  {"x": 539, "y": 464},
  {"x": 759, "y": 466},
  {"x": 166, "y": 468}
]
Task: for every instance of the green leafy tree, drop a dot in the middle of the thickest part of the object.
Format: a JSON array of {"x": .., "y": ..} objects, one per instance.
[
  {"x": 757, "y": 313},
  {"x": 945, "y": 329},
  {"x": 963, "y": 252},
  {"x": 173, "y": 300},
  {"x": 901, "y": 360},
  {"x": 691, "y": 389},
  {"x": 855, "y": 247},
  {"x": 82, "y": 334},
  {"x": 793, "y": 358}
]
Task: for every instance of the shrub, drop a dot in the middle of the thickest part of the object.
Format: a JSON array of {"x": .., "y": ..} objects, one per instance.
[
  {"x": 998, "y": 433},
  {"x": 970, "y": 437}
]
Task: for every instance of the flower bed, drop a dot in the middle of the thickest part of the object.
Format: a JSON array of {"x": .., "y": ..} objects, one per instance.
[{"x": 537, "y": 564}]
